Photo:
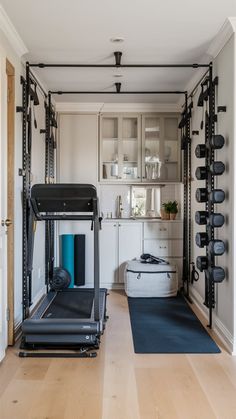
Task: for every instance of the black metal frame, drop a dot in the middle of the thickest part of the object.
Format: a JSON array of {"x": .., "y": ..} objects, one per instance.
[
  {"x": 209, "y": 85},
  {"x": 210, "y": 185},
  {"x": 49, "y": 160},
  {"x": 185, "y": 126}
]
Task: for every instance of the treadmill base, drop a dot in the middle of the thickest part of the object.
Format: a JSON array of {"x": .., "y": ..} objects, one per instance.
[{"x": 82, "y": 354}]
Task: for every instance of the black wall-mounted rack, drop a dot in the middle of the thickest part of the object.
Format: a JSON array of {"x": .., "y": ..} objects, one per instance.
[{"x": 210, "y": 196}]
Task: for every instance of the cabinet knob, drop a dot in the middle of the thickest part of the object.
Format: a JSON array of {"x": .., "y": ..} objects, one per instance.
[
  {"x": 114, "y": 225},
  {"x": 162, "y": 247}
]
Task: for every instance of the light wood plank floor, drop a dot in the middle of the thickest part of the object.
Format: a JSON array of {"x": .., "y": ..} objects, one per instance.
[{"x": 119, "y": 384}]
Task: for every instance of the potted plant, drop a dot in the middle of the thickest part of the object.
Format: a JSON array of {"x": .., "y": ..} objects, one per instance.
[
  {"x": 169, "y": 211},
  {"x": 165, "y": 212},
  {"x": 173, "y": 210}
]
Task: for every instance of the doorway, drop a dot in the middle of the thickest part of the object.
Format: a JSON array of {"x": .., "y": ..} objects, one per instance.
[{"x": 10, "y": 71}]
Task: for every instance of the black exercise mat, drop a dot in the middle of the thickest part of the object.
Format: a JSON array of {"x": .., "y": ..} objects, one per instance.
[
  {"x": 79, "y": 256},
  {"x": 167, "y": 325}
]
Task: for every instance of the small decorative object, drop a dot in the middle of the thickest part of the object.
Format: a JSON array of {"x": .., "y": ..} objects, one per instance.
[
  {"x": 169, "y": 211},
  {"x": 126, "y": 157}
]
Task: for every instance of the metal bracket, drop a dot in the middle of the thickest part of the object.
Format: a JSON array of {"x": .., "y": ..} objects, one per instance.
[
  {"x": 19, "y": 109},
  {"x": 118, "y": 56},
  {"x": 118, "y": 87},
  {"x": 21, "y": 172},
  {"x": 221, "y": 109}
]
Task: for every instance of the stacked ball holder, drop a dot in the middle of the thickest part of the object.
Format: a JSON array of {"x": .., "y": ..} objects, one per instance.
[{"x": 211, "y": 219}]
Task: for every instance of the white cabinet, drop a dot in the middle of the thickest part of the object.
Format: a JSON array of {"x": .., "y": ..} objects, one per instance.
[
  {"x": 140, "y": 148},
  {"x": 119, "y": 242},
  {"x": 163, "y": 230},
  {"x": 120, "y": 148},
  {"x": 78, "y": 149},
  {"x": 160, "y": 148},
  {"x": 165, "y": 239},
  {"x": 108, "y": 237},
  {"x": 130, "y": 244}
]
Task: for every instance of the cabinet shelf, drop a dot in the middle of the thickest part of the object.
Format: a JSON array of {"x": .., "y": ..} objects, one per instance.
[
  {"x": 130, "y": 139},
  {"x": 152, "y": 139},
  {"x": 110, "y": 139},
  {"x": 152, "y": 129}
]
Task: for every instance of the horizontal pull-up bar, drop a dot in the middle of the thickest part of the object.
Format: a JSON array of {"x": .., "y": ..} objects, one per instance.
[
  {"x": 117, "y": 93},
  {"x": 44, "y": 65}
]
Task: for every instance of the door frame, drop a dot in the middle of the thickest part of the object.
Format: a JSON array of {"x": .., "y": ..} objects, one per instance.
[{"x": 10, "y": 72}]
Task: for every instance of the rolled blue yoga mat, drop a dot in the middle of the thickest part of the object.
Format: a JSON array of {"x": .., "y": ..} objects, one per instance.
[{"x": 67, "y": 255}]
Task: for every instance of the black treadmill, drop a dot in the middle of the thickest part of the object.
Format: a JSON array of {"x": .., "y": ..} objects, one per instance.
[{"x": 72, "y": 318}]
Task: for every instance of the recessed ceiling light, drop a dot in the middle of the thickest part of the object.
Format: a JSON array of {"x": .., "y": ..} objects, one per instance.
[{"x": 117, "y": 39}]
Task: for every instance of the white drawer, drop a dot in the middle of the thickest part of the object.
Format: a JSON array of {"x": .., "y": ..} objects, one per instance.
[
  {"x": 163, "y": 230},
  {"x": 164, "y": 247}
]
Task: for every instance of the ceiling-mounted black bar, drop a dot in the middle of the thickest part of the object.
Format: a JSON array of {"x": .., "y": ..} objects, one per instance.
[
  {"x": 161, "y": 92},
  {"x": 45, "y": 65}
]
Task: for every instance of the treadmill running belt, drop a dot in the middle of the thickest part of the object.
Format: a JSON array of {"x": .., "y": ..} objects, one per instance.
[{"x": 70, "y": 305}]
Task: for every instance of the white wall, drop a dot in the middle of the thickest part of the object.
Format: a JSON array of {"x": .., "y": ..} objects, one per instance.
[
  {"x": 6, "y": 51},
  {"x": 224, "y": 68}
]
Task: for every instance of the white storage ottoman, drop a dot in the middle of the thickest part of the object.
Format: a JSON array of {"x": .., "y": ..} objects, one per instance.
[{"x": 150, "y": 280}]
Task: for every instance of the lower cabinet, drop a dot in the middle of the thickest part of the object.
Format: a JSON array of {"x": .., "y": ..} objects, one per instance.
[
  {"x": 165, "y": 240},
  {"x": 119, "y": 242}
]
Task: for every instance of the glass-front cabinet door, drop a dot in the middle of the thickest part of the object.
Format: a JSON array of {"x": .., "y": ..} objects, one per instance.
[
  {"x": 120, "y": 148},
  {"x": 160, "y": 148},
  {"x": 151, "y": 148},
  {"x": 109, "y": 148},
  {"x": 171, "y": 148},
  {"x": 130, "y": 157},
  {"x": 131, "y": 154}
]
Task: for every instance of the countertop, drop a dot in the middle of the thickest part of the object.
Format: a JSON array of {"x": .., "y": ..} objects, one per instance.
[{"x": 141, "y": 219}]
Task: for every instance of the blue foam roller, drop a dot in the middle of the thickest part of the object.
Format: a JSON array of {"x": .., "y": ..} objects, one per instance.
[{"x": 67, "y": 255}]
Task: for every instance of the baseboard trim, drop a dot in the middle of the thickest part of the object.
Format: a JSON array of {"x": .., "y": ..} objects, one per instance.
[{"x": 219, "y": 328}]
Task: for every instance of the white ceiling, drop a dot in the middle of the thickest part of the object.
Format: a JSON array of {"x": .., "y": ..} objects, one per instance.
[{"x": 154, "y": 32}]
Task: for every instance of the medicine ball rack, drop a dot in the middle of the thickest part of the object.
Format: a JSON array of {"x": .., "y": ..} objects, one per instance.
[
  {"x": 209, "y": 195},
  {"x": 29, "y": 86}
]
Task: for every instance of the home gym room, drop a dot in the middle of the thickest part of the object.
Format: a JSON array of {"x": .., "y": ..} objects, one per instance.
[{"x": 117, "y": 196}]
